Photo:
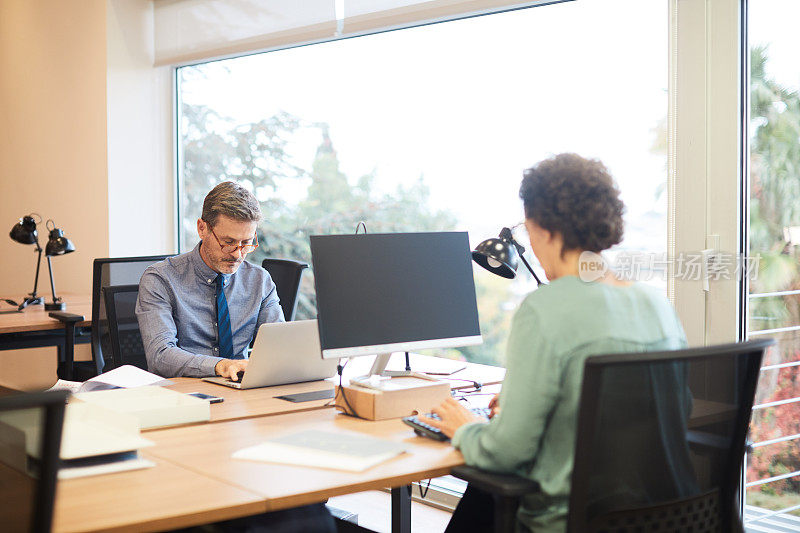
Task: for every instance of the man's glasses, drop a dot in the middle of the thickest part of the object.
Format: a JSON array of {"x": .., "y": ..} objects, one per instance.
[{"x": 230, "y": 248}]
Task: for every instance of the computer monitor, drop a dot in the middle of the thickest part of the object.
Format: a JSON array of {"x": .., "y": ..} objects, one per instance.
[{"x": 390, "y": 292}]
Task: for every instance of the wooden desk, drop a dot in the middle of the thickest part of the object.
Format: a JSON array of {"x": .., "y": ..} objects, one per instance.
[
  {"x": 34, "y": 317},
  {"x": 33, "y": 328},
  {"x": 207, "y": 449},
  {"x": 196, "y": 481},
  {"x": 707, "y": 412},
  {"x": 240, "y": 404},
  {"x": 7, "y": 391},
  {"x": 164, "y": 497}
]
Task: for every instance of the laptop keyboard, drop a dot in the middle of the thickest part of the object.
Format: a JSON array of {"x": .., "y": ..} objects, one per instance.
[{"x": 425, "y": 430}]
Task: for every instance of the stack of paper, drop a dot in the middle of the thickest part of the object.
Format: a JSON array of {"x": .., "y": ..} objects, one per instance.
[
  {"x": 91, "y": 430},
  {"x": 152, "y": 406},
  {"x": 94, "y": 440},
  {"x": 322, "y": 449},
  {"x": 123, "y": 377}
]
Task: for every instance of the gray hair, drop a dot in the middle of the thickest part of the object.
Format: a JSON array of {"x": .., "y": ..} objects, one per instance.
[{"x": 232, "y": 200}]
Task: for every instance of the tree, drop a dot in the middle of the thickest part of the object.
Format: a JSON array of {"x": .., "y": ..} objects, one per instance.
[
  {"x": 257, "y": 155},
  {"x": 333, "y": 205},
  {"x": 775, "y": 189},
  {"x": 254, "y": 155}
]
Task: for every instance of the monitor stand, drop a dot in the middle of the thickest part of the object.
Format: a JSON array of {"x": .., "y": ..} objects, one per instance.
[{"x": 378, "y": 370}]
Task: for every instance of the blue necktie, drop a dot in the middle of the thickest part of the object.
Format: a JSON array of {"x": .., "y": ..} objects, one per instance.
[{"x": 223, "y": 322}]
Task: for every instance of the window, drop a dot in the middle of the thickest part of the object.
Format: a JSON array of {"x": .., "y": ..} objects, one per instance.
[
  {"x": 429, "y": 128},
  {"x": 773, "y": 469}
]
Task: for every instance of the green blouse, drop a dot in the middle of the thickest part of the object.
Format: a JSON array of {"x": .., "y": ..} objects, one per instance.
[{"x": 555, "y": 329}]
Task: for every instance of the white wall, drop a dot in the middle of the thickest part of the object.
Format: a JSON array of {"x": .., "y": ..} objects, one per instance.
[
  {"x": 52, "y": 151},
  {"x": 141, "y": 183},
  {"x": 85, "y": 139}
]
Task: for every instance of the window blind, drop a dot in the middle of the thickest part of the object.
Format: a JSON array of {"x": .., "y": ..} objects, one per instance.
[{"x": 192, "y": 31}]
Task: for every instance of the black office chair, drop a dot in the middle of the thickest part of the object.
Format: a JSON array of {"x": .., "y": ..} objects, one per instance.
[
  {"x": 28, "y": 481},
  {"x": 286, "y": 274},
  {"x": 660, "y": 443},
  {"x": 123, "y": 327},
  {"x": 105, "y": 272}
]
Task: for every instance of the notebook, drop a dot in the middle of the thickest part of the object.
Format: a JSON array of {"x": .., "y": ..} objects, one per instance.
[{"x": 322, "y": 449}]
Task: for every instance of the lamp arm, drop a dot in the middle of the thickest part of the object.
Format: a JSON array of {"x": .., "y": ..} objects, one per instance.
[
  {"x": 38, "y": 264},
  {"x": 521, "y": 251},
  {"x": 52, "y": 283},
  {"x": 538, "y": 281}
]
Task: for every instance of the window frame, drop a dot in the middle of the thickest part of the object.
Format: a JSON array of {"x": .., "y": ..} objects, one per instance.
[{"x": 707, "y": 157}]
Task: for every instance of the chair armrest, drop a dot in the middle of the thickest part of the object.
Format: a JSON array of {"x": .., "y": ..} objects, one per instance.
[
  {"x": 66, "y": 318},
  {"x": 505, "y": 485}
]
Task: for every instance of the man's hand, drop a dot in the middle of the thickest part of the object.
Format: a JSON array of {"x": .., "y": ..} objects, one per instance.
[
  {"x": 229, "y": 368},
  {"x": 494, "y": 405},
  {"x": 453, "y": 415}
]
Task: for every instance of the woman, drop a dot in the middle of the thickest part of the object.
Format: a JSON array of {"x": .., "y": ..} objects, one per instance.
[{"x": 571, "y": 206}]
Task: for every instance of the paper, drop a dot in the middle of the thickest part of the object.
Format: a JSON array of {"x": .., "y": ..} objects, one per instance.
[
  {"x": 125, "y": 376},
  {"x": 96, "y": 467},
  {"x": 322, "y": 449},
  {"x": 63, "y": 384},
  {"x": 153, "y": 406},
  {"x": 89, "y": 430},
  {"x": 92, "y": 430}
]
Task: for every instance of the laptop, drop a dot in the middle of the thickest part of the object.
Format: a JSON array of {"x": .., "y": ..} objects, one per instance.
[{"x": 284, "y": 352}]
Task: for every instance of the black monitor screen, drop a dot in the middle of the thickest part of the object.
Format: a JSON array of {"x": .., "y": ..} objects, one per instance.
[{"x": 385, "y": 290}]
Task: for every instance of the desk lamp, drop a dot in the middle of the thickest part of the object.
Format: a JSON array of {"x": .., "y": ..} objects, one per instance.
[
  {"x": 24, "y": 232},
  {"x": 56, "y": 245},
  {"x": 501, "y": 255}
]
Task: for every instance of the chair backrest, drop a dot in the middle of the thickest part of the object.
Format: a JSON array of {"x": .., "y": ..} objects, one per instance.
[
  {"x": 29, "y": 459},
  {"x": 286, "y": 274},
  {"x": 661, "y": 438},
  {"x": 123, "y": 327},
  {"x": 105, "y": 272}
]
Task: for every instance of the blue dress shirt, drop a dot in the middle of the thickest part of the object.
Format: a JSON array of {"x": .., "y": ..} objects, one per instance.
[{"x": 177, "y": 313}]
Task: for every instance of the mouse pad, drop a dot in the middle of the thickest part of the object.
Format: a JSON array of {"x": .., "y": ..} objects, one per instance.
[{"x": 308, "y": 396}]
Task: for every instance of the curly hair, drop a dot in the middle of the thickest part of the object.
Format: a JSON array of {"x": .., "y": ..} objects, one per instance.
[{"x": 576, "y": 198}]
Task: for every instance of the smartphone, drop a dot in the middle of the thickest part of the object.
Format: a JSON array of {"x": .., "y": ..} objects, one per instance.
[{"x": 211, "y": 399}]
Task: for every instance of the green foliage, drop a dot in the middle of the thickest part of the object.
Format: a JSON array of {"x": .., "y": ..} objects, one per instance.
[
  {"x": 775, "y": 190},
  {"x": 774, "y": 174},
  {"x": 768, "y": 499},
  {"x": 332, "y": 206},
  {"x": 256, "y": 155}
]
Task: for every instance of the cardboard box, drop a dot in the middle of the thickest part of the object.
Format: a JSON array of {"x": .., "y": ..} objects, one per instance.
[{"x": 401, "y": 396}]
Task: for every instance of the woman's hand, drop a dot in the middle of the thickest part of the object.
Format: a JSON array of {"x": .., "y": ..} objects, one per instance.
[
  {"x": 453, "y": 415},
  {"x": 494, "y": 405}
]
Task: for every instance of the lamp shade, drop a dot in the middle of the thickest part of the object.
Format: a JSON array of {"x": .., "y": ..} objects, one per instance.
[
  {"x": 58, "y": 244},
  {"x": 498, "y": 256},
  {"x": 24, "y": 231}
]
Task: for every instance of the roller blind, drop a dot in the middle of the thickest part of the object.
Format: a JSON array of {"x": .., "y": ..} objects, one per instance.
[
  {"x": 365, "y": 16},
  {"x": 196, "y": 30},
  {"x": 190, "y": 31}
]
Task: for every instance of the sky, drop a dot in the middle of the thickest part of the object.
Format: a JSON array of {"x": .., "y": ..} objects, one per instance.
[
  {"x": 469, "y": 104},
  {"x": 774, "y": 22}
]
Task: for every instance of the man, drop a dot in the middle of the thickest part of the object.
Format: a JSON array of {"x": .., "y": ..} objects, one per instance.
[{"x": 198, "y": 311}]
